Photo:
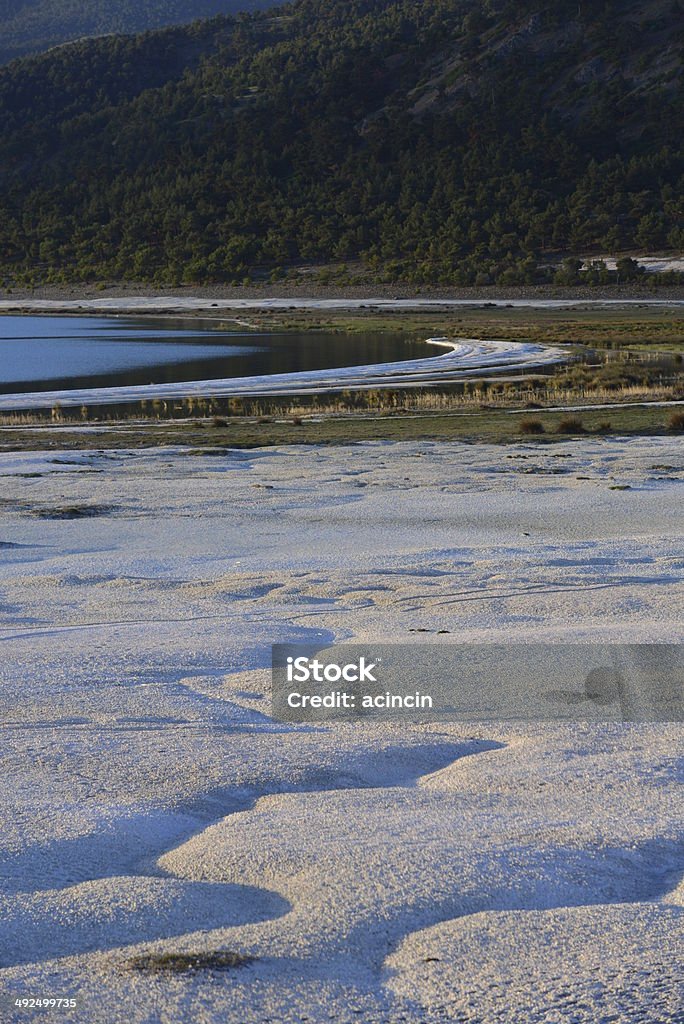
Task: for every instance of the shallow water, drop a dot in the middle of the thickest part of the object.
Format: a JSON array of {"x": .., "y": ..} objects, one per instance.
[{"x": 38, "y": 353}]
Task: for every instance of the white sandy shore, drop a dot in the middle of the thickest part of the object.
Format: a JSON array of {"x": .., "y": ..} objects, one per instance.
[
  {"x": 167, "y": 304},
  {"x": 380, "y": 873}
]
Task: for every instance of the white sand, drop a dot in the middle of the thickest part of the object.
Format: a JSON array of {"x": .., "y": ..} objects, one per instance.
[
  {"x": 380, "y": 873},
  {"x": 149, "y": 304},
  {"x": 651, "y": 264}
]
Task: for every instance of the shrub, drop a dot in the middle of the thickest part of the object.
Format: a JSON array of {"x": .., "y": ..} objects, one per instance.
[
  {"x": 570, "y": 425},
  {"x": 676, "y": 422},
  {"x": 530, "y": 426},
  {"x": 605, "y": 427},
  {"x": 181, "y": 963}
]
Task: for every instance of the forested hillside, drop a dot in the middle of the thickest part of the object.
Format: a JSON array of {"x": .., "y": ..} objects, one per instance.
[
  {"x": 446, "y": 141},
  {"x": 31, "y": 26}
]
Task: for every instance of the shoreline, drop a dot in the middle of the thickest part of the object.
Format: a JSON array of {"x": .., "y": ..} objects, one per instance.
[
  {"x": 139, "y": 299},
  {"x": 465, "y": 357},
  {"x": 534, "y": 331}
]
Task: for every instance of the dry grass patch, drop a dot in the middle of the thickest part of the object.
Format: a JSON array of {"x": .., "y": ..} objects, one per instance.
[
  {"x": 531, "y": 426},
  {"x": 182, "y": 963},
  {"x": 72, "y": 511},
  {"x": 570, "y": 425}
]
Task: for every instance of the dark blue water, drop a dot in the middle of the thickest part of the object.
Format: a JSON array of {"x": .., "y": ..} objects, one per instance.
[{"x": 41, "y": 353}]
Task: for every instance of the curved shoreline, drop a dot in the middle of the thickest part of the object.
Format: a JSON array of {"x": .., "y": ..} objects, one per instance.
[{"x": 466, "y": 357}]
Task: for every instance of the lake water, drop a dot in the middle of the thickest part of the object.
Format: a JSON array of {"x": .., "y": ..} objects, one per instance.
[{"x": 43, "y": 353}]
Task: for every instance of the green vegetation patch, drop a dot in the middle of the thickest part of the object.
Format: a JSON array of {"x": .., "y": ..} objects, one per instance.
[
  {"x": 499, "y": 426},
  {"x": 391, "y": 140},
  {"x": 579, "y": 325}
]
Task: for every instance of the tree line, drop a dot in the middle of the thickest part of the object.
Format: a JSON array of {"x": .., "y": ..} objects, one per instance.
[{"x": 434, "y": 143}]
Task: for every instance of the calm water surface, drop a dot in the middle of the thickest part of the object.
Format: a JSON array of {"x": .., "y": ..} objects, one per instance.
[{"x": 42, "y": 353}]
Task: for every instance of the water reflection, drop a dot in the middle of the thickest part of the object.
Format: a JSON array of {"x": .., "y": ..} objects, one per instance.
[{"x": 45, "y": 352}]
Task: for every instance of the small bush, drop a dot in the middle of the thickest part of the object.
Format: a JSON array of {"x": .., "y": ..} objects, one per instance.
[
  {"x": 530, "y": 426},
  {"x": 181, "y": 963},
  {"x": 676, "y": 422},
  {"x": 570, "y": 425},
  {"x": 72, "y": 511},
  {"x": 219, "y": 421},
  {"x": 604, "y": 427}
]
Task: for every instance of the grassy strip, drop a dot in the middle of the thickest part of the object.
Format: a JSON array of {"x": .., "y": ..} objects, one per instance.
[
  {"x": 612, "y": 328},
  {"x": 495, "y": 426}
]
